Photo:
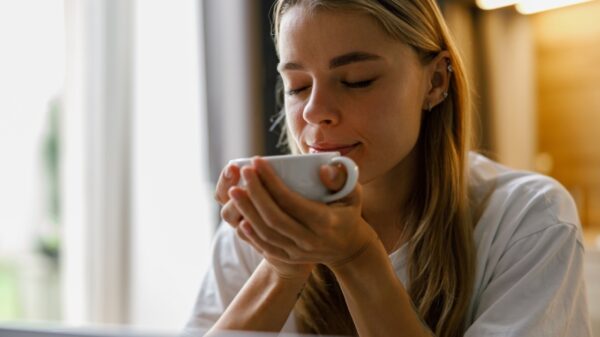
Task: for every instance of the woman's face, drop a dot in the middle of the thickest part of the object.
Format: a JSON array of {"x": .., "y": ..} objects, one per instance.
[{"x": 349, "y": 87}]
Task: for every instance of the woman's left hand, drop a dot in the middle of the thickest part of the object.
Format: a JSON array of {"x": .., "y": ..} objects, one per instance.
[{"x": 291, "y": 228}]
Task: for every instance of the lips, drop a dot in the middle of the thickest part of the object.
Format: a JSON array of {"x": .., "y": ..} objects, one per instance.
[{"x": 343, "y": 149}]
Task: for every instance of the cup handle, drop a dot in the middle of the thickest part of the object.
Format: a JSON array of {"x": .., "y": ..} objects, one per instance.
[{"x": 351, "y": 179}]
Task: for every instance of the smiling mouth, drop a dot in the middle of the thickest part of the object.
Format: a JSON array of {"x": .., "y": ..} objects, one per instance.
[{"x": 342, "y": 149}]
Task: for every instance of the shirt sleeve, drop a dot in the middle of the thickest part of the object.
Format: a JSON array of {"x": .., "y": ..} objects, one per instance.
[
  {"x": 233, "y": 261},
  {"x": 537, "y": 289}
]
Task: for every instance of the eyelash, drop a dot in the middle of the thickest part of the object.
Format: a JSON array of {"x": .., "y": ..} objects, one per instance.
[
  {"x": 293, "y": 92},
  {"x": 351, "y": 85},
  {"x": 359, "y": 84}
]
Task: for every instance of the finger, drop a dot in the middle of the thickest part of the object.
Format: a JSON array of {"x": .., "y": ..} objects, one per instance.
[
  {"x": 230, "y": 176},
  {"x": 272, "y": 213},
  {"x": 354, "y": 198},
  {"x": 231, "y": 214},
  {"x": 241, "y": 234},
  {"x": 295, "y": 252},
  {"x": 289, "y": 201},
  {"x": 333, "y": 176},
  {"x": 251, "y": 215},
  {"x": 265, "y": 248},
  {"x": 245, "y": 232}
]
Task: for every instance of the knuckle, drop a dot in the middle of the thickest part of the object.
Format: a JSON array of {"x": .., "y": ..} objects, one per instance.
[
  {"x": 225, "y": 213},
  {"x": 221, "y": 194},
  {"x": 230, "y": 214},
  {"x": 325, "y": 218},
  {"x": 291, "y": 254},
  {"x": 219, "y": 198},
  {"x": 240, "y": 233},
  {"x": 306, "y": 246}
]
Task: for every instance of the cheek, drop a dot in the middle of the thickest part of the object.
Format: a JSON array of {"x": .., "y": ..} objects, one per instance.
[
  {"x": 295, "y": 121},
  {"x": 401, "y": 107},
  {"x": 293, "y": 116},
  {"x": 395, "y": 125}
]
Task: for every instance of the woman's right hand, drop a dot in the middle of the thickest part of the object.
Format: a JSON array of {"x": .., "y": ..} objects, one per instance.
[{"x": 227, "y": 184}]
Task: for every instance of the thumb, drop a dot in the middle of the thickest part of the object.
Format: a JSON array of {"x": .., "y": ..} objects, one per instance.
[{"x": 333, "y": 177}]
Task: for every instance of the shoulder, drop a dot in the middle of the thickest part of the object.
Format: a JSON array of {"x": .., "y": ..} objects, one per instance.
[
  {"x": 529, "y": 248},
  {"x": 514, "y": 204}
]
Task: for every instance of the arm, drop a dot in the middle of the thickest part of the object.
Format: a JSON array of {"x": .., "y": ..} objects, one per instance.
[
  {"x": 337, "y": 236},
  {"x": 263, "y": 304},
  {"x": 372, "y": 289}
]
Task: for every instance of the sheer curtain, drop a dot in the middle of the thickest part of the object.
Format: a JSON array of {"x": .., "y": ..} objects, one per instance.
[
  {"x": 136, "y": 207},
  {"x": 235, "y": 76},
  {"x": 95, "y": 164},
  {"x": 139, "y": 213},
  {"x": 174, "y": 211},
  {"x": 191, "y": 56}
]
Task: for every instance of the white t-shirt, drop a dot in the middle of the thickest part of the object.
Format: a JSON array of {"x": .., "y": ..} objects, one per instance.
[{"x": 529, "y": 274}]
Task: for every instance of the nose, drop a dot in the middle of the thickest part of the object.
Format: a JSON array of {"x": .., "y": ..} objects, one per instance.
[{"x": 321, "y": 108}]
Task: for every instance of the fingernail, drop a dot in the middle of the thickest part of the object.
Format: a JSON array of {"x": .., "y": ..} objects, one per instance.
[
  {"x": 246, "y": 228},
  {"x": 228, "y": 173},
  {"x": 257, "y": 164},
  {"x": 247, "y": 174}
]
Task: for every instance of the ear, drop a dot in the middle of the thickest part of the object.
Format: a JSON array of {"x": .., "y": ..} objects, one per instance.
[{"x": 439, "y": 71}]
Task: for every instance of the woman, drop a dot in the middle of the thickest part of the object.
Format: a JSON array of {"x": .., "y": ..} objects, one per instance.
[{"x": 434, "y": 240}]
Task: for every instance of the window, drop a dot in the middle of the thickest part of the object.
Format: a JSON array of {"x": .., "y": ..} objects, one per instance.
[
  {"x": 32, "y": 65},
  {"x": 105, "y": 187}
]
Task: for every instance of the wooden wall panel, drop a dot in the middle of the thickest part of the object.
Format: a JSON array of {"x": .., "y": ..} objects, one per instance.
[{"x": 568, "y": 80}]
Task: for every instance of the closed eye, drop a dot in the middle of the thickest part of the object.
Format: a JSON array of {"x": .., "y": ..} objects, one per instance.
[
  {"x": 359, "y": 84},
  {"x": 293, "y": 92}
]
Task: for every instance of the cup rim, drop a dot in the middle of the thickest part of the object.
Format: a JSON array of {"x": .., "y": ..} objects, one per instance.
[{"x": 290, "y": 156}]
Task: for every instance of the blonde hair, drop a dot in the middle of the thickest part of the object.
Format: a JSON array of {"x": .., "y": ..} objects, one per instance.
[{"x": 441, "y": 252}]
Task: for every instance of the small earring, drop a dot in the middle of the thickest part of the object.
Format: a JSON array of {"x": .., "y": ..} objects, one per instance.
[
  {"x": 445, "y": 95},
  {"x": 450, "y": 69},
  {"x": 429, "y": 107}
]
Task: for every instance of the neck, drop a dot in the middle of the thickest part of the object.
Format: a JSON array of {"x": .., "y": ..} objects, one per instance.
[{"x": 385, "y": 200}]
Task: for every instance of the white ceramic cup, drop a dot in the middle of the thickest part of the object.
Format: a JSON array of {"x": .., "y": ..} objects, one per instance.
[{"x": 300, "y": 172}]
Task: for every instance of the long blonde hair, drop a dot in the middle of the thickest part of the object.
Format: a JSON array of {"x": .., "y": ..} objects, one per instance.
[{"x": 441, "y": 252}]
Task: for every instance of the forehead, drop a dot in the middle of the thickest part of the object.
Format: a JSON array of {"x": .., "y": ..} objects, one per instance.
[{"x": 326, "y": 33}]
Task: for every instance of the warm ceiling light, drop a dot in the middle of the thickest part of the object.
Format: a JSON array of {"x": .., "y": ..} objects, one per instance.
[
  {"x": 493, "y": 4},
  {"x": 536, "y": 6}
]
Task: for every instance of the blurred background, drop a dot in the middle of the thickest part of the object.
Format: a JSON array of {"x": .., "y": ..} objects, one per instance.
[{"x": 116, "y": 117}]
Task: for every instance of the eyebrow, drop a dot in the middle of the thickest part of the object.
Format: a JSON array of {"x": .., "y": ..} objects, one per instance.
[{"x": 335, "y": 62}]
